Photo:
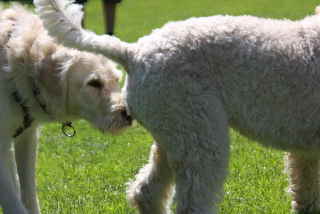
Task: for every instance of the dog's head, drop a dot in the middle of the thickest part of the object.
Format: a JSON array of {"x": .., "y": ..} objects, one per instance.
[
  {"x": 73, "y": 84},
  {"x": 86, "y": 86}
]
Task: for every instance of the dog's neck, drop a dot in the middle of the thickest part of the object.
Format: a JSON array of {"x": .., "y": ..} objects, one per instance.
[
  {"x": 26, "y": 109},
  {"x": 34, "y": 109}
]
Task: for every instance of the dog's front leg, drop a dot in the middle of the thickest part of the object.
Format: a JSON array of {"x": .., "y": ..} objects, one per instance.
[
  {"x": 304, "y": 183},
  {"x": 26, "y": 152},
  {"x": 151, "y": 192},
  {"x": 9, "y": 194}
]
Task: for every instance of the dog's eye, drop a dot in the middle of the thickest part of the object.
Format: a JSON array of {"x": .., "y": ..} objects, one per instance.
[{"x": 95, "y": 83}]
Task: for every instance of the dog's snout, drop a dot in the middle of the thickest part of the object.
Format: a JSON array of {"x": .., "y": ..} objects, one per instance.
[{"x": 124, "y": 114}]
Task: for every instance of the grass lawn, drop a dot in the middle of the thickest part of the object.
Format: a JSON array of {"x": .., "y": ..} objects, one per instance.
[{"x": 87, "y": 174}]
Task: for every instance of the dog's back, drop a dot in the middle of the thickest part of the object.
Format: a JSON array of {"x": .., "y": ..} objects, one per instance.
[
  {"x": 23, "y": 35},
  {"x": 9, "y": 18}
]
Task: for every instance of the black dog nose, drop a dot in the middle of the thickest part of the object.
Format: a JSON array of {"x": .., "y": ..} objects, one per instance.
[{"x": 125, "y": 115}]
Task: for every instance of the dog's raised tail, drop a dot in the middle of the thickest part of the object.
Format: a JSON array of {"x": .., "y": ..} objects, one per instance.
[{"x": 62, "y": 18}]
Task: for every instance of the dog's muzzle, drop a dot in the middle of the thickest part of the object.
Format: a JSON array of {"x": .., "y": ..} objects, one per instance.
[{"x": 126, "y": 116}]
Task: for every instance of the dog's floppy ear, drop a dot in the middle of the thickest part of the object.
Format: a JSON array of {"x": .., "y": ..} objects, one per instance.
[
  {"x": 49, "y": 76},
  {"x": 116, "y": 71}
]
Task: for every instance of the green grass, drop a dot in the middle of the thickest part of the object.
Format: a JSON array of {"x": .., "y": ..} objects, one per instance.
[{"x": 87, "y": 174}]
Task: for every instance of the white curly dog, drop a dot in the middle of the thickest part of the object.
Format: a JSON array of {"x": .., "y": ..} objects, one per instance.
[
  {"x": 41, "y": 82},
  {"x": 190, "y": 80}
]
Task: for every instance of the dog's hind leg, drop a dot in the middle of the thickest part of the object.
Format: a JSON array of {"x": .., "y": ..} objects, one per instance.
[
  {"x": 26, "y": 151},
  {"x": 199, "y": 155},
  {"x": 10, "y": 198},
  {"x": 304, "y": 183},
  {"x": 201, "y": 172},
  {"x": 151, "y": 192}
]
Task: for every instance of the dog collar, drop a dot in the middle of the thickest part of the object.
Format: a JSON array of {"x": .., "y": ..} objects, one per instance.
[
  {"x": 66, "y": 127},
  {"x": 27, "y": 119}
]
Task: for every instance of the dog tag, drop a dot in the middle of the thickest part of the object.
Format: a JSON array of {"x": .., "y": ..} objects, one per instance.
[{"x": 67, "y": 129}]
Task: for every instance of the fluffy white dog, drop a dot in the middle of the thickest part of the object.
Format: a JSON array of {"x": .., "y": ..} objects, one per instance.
[
  {"x": 191, "y": 80},
  {"x": 42, "y": 81}
]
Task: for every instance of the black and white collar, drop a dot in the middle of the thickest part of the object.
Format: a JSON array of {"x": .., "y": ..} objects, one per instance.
[
  {"x": 66, "y": 127},
  {"x": 27, "y": 118}
]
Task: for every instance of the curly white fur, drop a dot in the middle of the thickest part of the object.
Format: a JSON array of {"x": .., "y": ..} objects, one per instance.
[{"x": 190, "y": 80}]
